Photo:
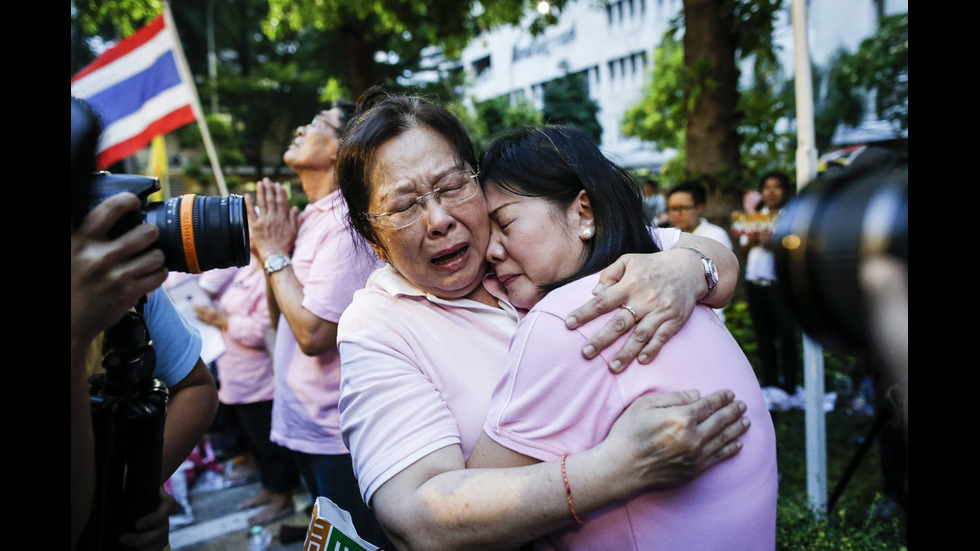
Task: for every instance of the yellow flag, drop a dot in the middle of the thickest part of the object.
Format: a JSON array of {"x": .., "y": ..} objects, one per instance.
[{"x": 158, "y": 163}]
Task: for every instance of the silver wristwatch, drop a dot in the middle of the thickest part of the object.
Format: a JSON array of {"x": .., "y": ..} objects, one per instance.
[
  {"x": 710, "y": 272},
  {"x": 275, "y": 263}
]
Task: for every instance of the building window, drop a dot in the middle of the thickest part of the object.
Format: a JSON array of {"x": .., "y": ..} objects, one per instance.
[{"x": 481, "y": 66}]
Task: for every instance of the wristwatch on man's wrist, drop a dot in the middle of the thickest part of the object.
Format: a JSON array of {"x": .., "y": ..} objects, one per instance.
[
  {"x": 710, "y": 272},
  {"x": 275, "y": 262}
]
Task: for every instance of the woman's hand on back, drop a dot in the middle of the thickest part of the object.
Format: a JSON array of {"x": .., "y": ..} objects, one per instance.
[
  {"x": 670, "y": 439},
  {"x": 662, "y": 290}
]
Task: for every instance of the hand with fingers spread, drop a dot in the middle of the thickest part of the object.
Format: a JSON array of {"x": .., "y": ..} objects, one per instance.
[
  {"x": 661, "y": 292},
  {"x": 274, "y": 223},
  {"x": 655, "y": 295},
  {"x": 675, "y": 437}
]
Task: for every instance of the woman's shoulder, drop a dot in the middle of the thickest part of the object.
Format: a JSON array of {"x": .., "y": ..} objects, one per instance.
[{"x": 563, "y": 300}]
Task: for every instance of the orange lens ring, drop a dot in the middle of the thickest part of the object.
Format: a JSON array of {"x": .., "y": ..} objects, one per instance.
[{"x": 187, "y": 233}]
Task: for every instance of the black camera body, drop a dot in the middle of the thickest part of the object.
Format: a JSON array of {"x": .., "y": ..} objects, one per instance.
[{"x": 196, "y": 233}]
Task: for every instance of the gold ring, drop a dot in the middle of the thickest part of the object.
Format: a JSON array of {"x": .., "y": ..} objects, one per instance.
[{"x": 631, "y": 311}]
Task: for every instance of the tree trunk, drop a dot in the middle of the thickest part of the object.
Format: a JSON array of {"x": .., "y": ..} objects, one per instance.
[
  {"x": 360, "y": 59},
  {"x": 712, "y": 142}
]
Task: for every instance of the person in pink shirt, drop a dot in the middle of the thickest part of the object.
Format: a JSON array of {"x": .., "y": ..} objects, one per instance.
[
  {"x": 422, "y": 344},
  {"x": 246, "y": 385},
  {"x": 313, "y": 265},
  {"x": 560, "y": 212}
]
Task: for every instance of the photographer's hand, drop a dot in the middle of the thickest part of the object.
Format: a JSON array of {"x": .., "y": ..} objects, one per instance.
[
  {"x": 152, "y": 532},
  {"x": 108, "y": 276},
  {"x": 275, "y": 224}
]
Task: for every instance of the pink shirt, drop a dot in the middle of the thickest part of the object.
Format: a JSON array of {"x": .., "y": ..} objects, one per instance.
[
  {"x": 552, "y": 401},
  {"x": 245, "y": 368},
  {"x": 331, "y": 268},
  {"x": 417, "y": 374}
]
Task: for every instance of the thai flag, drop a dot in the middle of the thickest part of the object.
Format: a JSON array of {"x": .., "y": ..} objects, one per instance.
[{"x": 141, "y": 89}]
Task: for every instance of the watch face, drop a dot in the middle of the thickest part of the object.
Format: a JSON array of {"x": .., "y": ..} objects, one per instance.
[
  {"x": 712, "y": 271},
  {"x": 275, "y": 263}
]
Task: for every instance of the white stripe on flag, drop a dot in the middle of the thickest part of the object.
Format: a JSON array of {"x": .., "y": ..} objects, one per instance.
[
  {"x": 157, "y": 107},
  {"x": 125, "y": 67}
]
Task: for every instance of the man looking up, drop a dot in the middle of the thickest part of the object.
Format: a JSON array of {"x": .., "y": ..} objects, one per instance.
[{"x": 313, "y": 266}]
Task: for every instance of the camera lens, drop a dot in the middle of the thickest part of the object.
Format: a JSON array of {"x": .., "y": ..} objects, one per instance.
[
  {"x": 201, "y": 233},
  {"x": 822, "y": 238}
]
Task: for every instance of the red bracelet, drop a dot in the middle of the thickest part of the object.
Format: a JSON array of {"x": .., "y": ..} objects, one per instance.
[{"x": 568, "y": 490}]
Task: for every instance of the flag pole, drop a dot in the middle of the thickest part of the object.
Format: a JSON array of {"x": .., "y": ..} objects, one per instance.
[{"x": 196, "y": 105}]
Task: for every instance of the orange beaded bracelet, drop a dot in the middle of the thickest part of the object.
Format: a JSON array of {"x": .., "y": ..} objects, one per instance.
[{"x": 568, "y": 490}]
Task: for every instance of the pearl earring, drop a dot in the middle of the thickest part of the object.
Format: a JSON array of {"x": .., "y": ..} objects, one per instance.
[{"x": 587, "y": 233}]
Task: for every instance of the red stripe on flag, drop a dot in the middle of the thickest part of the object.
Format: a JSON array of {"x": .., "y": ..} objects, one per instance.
[
  {"x": 120, "y": 151},
  {"x": 125, "y": 46}
]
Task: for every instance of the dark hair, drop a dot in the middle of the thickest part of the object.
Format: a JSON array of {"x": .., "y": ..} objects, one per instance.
[
  {"x": 784, "y": 183},
  {"x": 381, "y": 117},
  {"x": 555, "y": 163},
  {"x": 694, "y": 187},
  {"x": 347, "y": 110}
]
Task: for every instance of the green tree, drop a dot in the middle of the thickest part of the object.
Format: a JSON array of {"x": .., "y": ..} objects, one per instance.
[
  {"x": 567, "y": 101},
  {"x": 660, "y": 116},
  {"x": 496, "y": 115},
  {"x": 397, "y": 29},
  {"x": 879, "y": 68},
  {"x": 697, "y": 107}
]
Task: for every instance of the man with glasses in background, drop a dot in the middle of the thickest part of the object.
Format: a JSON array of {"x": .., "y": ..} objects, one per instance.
[
  {"x": 313, "y": 267},
  {"x": 685, "y": 205}
]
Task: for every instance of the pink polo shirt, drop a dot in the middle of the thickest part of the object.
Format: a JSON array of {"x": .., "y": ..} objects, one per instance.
[
  {"x": 245, "y": 368},
  {"x": 552, "y": 401},
  {"x": 417, "y": 373},
  {"x": 331, "y": 267}
]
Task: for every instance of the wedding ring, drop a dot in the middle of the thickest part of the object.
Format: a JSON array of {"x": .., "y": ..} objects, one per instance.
[{"x": 628, "y": 308}]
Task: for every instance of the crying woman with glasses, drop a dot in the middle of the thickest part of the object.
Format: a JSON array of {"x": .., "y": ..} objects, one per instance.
[{"x": 424, "y": 343}]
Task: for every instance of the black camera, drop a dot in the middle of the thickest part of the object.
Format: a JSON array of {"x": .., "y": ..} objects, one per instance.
[
  {"x": 845, "y": 216},
  {"x": 196, "y": 233}
]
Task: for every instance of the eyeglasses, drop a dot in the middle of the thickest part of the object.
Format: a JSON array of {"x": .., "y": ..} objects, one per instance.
[
  {"x": 320, "y": 120},
  {"x": 679, "y": 210},
  {"x": 401, "y": 212}
]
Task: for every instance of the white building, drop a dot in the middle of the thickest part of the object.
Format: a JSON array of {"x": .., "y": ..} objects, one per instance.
[{"x": 613, "y": 43}]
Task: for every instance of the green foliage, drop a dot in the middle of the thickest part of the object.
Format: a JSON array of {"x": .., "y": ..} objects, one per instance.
[
  {"x": 881, "y": 63},
  {"x": 448, "y": 23},
  {"x": 841, "y": 103},
  {"x": 500, "y": 113},
  {"x": 880, "y": 66},
  {"x": 567, "y": 101},
  {"x": 761, "y": 106},
  {"x": 670, "y": 100},
  {"x": 659, "y": 117},
  {"x": 799, "y": 528},
  {"x": 126, "y": 15}
]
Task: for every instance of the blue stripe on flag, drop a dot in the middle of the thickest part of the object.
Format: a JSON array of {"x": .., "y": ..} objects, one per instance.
[{"x": 129, "y": 95}]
